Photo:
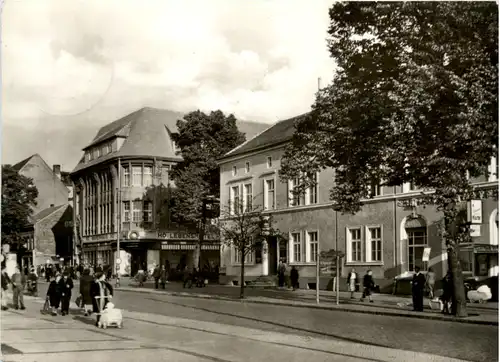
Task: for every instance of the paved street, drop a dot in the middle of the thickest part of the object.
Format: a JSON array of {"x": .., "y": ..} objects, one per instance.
[{"x": 196, "y": 329}]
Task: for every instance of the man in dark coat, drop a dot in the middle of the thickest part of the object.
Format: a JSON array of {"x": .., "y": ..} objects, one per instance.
[
  {"x": 368, "y": 284},
  {"x": 294, "y": 277},
  {"x": 417, "y": 290},
  {"x": 156, "y": 275},
  {"x": 54, "y": 293},
  {"x": 86, "y": 282},
  {"x": 66, "y": 285},
  {"x": 163, "y": 276}
]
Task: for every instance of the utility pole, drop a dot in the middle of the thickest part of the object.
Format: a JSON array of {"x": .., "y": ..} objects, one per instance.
[
  {"x": 337, "y": 256},
  {"x": 118, "y": 224}
]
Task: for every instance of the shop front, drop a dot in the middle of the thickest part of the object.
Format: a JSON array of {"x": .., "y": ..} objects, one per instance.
[
  {"x": 173, "y": 249},
  {"x": 95, "y": 254}
]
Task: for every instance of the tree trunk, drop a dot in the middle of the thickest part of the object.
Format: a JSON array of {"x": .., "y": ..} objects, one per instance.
[
  {"x": 459, "y": 302},
  {"x": 242, "y": 277}
]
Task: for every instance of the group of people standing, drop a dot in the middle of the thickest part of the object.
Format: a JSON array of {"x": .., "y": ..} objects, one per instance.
[
  {"x": 282, "y": 274},
  {"x": 95, "y": 292}
]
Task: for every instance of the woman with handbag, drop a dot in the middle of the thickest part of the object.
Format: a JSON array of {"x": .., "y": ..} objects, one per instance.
[{"x": 54, "y": 294}]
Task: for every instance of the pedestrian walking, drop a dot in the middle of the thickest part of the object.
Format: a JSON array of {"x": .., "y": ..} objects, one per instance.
[
  {"x": 430, "y": 281},
  {"x": 281, "y": 274},
  {"x": 101, "y": 292},
  {"x": 18, "y": 281},
  {"x": 156, "y": 275},
  {"x": 66, "y": 285},
  {"x": 368, "y": 285},
  {"x": 5, "y": 286},
  {"x": 352, "y": 282},
  {"x": 54, "y": 294},
  {"x": 163, "y": 276},
  {"x": 86, "y": 282},
  {"x": 294, "y": 277},
  {"x": 447, "y": 296},
  {"x": 417, "y": 290},
  {"x": 187, "y": 278},
  {"x": 48, "y": 273}
]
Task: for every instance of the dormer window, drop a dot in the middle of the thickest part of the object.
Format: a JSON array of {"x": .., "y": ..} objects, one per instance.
[
  {"x": 108, "y": 148},
  {"x": 98, "y": 152},
  {"x": 88, "y": 156},
  {"x": 175, "y": 147}
]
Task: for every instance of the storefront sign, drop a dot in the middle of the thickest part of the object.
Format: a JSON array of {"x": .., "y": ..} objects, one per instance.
[
  {"x": 188, "y": 246},
  {"x": 486, "y": 249},
  {"x": 179, "y": 235},
  {"x": 475, "y": 212},
  {"x": 475, "y": 230}
]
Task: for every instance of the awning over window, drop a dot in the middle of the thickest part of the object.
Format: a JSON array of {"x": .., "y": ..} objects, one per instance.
[{"x": 415, "y": 223}]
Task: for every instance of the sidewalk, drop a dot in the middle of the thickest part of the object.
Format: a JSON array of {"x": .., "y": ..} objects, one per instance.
[{"x": 384, "y": 304}]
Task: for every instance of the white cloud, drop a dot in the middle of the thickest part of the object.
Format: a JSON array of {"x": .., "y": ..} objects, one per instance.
[{"x": 73, "y": 64}]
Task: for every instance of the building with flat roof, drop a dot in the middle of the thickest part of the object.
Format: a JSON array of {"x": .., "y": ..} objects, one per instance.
[
  {"x": 389, "y": 235},
  {"x": 111, "y": 197}
]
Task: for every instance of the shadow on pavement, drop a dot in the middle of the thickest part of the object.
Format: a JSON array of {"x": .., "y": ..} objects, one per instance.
[{"x": 339, "y": 337}]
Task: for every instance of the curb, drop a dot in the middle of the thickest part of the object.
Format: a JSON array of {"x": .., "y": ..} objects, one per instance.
[{"x": 313, "y": 306}]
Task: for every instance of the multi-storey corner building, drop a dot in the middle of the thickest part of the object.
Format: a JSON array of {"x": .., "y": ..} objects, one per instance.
[
  {"x": 388, "y": 236},
  {"x": 112, "y": 201}
]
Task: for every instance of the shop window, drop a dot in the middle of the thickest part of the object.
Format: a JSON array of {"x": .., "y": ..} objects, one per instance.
[{"x": 466, "y": 258}]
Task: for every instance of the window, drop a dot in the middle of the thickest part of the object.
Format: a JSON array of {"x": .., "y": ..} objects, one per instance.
[
  {"x": 313, "y": 190},
  {"x": 247, "y": 167},
  {"x": 466, "y": 258},
  {"x": 148, "y": 211},
  {"x": 126, "y": 211},
  {"x": 248, "y": 197},
  {"x": 417, "y": 242},
  {"x": 235, "y": 200},
  {"x": 89, "y": 156},
  {"x": 235, "y": 170},
  {"x": 354, "y": 240},
  {"x": 148, "y": 176},
  {"x": 412, "y": 186},
  {"x": 126, "y": 177},
  {"x": 108, "y": 148},
  {"x": 137, "y": 176},
  {"x": 313, "y": 246},
  {"x": 98, "y": 152},
  {"x": 297, "y": 248},
  {"x": 237, "y": 256},
  {"x": 375, "y": 189},
  {"x": 269, "y": 195},
  {"x": 375, "y": 243},
  {"x": 269, "y": 162},
  {"x": 137, "y": 211},
  {"x": 295, "y": 198}
]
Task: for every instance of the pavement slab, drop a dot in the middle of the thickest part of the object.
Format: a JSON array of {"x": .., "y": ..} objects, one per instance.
[{"x": 154, "y": 337}]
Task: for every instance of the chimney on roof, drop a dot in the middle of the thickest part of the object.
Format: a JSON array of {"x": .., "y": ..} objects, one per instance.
[{"x": 57, "y": 171}]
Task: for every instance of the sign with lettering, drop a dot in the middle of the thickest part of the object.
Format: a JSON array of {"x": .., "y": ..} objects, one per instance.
[
  {"x": 179, "y": 235},
  {"x": 475, "y": 212}
]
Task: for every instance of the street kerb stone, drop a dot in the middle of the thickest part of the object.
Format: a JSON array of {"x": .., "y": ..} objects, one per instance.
[{"x": 490, "y": 319}]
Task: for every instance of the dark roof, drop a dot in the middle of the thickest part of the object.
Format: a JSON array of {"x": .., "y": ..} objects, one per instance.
[
  {"x": 280, "y": 132},
  {"x": 18, "y": 166},
  {"x": 121, "y": 127},
  {"x": 148, "y": 133},
  {"x": 46, "y": 212}
]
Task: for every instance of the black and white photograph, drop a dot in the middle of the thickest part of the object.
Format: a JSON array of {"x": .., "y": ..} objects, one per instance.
[{"x": 249, "y": 180}]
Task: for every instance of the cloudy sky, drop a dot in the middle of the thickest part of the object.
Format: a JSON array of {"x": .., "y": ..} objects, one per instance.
[{"x": 70, "y": 66}]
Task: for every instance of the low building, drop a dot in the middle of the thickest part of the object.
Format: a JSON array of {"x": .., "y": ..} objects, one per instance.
[
  {"x": 49, "y": 235},
  {"x": 389, "y": 235},
  {"x": 115, "y": 197}
]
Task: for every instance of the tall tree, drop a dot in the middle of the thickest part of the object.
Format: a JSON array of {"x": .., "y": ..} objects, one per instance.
[
  {"x": 202, "y": 139},
  {"x": 414, "y": 99},
  {"x": 18, "y": 197}
]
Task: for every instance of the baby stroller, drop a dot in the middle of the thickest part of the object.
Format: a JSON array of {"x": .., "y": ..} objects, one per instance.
[{"x": 110, "y": 316}]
